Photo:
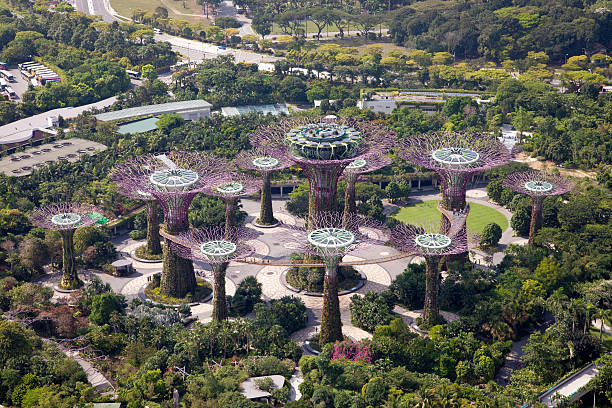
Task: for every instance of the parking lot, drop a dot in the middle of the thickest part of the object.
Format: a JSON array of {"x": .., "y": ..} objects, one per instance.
[{"x": 20, "y": 85}]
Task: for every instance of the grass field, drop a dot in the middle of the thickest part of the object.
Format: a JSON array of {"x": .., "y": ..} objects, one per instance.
[
  {"x": 191, "y": 11},
  {"x": 480, "y": 215}
]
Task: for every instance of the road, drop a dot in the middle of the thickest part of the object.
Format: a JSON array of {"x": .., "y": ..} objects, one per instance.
[{"x": 96, "y": 7}]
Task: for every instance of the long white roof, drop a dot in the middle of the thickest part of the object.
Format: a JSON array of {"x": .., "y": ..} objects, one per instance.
[{"x": 159, "y": 109}]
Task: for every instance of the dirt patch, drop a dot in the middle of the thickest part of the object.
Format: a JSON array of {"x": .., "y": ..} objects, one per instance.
[{"x": 547, "y": 164}]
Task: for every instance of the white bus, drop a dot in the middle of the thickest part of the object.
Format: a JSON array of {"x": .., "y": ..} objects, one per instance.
[
  {"x": 10, "y": 92},
  {"x": 7, "y": 75},
  {"x": 25, "y": 65},
  {"x": 133, "y": 74},
  {"x": 3, "y": 83}
]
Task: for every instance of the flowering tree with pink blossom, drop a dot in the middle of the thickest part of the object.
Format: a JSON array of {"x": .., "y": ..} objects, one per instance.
[{"x": 353, "y": 351}]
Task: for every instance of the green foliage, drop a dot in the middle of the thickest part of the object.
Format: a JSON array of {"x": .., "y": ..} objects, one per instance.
[
  {"x": 409, "y": 287},
  {"x": 248, "y": 293},
  {"x": 103, "y": 305},
  {"x": 169, "y": 121},
  {"x": 375, "y": 391},
  {"x": 371, "y": 310},
  {"x": 491, "y": 235},
  {"x": 288, "y": 312}
]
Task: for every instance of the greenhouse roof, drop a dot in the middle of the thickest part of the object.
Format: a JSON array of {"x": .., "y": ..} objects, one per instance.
[{"x": 159, "y": 109}]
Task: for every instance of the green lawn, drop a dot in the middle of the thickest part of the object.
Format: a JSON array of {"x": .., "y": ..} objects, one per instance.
[
  {"x": 606, "y": 338},
  {"x": 480, "y": 215}
]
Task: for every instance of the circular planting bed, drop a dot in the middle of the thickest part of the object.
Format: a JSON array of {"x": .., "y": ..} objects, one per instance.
[
  {"x": 152, "y": 292},
  {"x": 310, "y": 279},
  {"x": 142, "y": 254}
]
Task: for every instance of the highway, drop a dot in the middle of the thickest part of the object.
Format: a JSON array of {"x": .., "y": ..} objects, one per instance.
[{"x": 95, "y": 7}]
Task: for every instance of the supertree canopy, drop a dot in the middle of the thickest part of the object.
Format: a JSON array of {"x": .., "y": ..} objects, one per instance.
[
  {"x": 428, "y": 242},
  {"x": 174, "y": 179},
  {"x": 153, "y": 245},
  {"x": 66, "y": 218},
  {"x": 264, "y": 160},
  {"x": 356, "y": 168},
  {"x": 211, "y": 245},
  {"x": 455, "y": 157},
  {"x": 231, "y": 187},
  {"x": 538, "y": 185},
  {"x": 323, "y": 147},
  {"x": 331, "y": 236}
]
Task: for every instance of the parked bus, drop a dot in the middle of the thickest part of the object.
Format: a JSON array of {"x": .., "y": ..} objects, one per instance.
[
  {"x": 3, "y": 83},
  {"x": 10, "y": 92},
  {"x": 7, "y": 75},
  {"x": 133, "y": 74},
  {"x": 24, "y": 65},
  {"x": 26, "y": 75}
]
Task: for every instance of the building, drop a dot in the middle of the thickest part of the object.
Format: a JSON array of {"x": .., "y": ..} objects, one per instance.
[
  {"x": 275, "y": 110},
  {"x": 249, "y": 388},
  {"x": 188, "y": 110},
  {"x": 427, "y": 101}
]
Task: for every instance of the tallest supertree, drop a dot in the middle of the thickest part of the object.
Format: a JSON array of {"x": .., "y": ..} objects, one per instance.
[
  {"x": 455, "y": 157},
  {"x": 324, "y": 147},
  {"x": 174, "y": 179}
]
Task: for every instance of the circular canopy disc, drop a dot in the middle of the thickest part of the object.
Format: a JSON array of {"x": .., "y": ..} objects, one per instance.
[
  {"x": 230, "y": 188},
  {"x": 358, "y": 164},
  {"x": 432, "y": 242},
  {"x": 66, "y": 219},
  {"x": 331, "y": 238},
  {"x": 455, "y": 156},
  {"x": 539, "y": 186},
  {"x": 216, "y": 250},
  {"x": 265, "y": 162},
  {"x": 324, "y": 141},
  {"x": 173, "y": 179}
]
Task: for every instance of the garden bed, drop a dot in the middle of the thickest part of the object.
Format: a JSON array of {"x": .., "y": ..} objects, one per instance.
[
  {"x": 141, "y": 253},
  {"x": 310, "y": 279},
  {"x": 152, "y": 292}
]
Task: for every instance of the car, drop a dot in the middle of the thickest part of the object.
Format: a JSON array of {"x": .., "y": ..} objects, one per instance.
[
  {"x": 157, "y": 31},
  {"x": 222, "y": 47}
]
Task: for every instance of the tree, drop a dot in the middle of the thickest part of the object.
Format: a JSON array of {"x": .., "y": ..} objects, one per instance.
[
  {"x": 247, "y": 294},
  {"x": 149, "y": 72},
  {"x": 374, "y": 392},
  {"x": 319, "y": 17},
  {"x": 169, "y": 121},
  {"x": 33, "y": 253},
  {"x": 491, "y": 234},
  {"x": 14, "y": 341},
  {"x": 161, "y": 12},
  {"x": 262, "y": 24},
  {"x": 102, "y": 306},
  {"x": 521, "y": 220}
]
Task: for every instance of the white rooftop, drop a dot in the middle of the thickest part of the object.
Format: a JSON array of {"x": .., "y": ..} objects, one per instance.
[
  {"x": 159, "y": 109},
  {"x": 275, "y": 109},
  {"x": 249, "y": 389}
]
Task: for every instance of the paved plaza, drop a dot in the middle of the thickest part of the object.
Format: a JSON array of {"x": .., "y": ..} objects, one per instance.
[{"x": 278, "y": 243}]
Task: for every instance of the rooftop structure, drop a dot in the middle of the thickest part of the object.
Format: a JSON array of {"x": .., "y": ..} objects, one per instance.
[
  {"x": 538, "y": 185},
  {"x": 189, "y": 110},
  {"x": 275, "y": 110},
  {"x": 426, "y": 241},
  {"x": 249, "y": 388},
  {"x": 428, "y": 101},
  {"x": 212, "y": 245},
  {"x": 22, "y": 131},
  {"x": 174, "y": 179},
  {"x": 66, "y": 218}
]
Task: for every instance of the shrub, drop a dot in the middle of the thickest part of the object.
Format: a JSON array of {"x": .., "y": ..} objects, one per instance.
[
  {"x": 269, "y": 365},
  {"x": 103, "y": 305},
  {"x": 409, "y": 287},
  {"x": 375, "y": 391},
  {"x": 491, "y": 234},
  {"x": 359, "y": 351},
  {"x": 247, "y": 294},
  {"x": 371, "y": 310},
  {"x": 265, "y": 384}
]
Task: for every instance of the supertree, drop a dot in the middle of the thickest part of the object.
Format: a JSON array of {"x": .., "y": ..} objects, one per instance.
[
  {"x": 538, "y": 185},
  {"x": 231, "y": 187},
  {"x": 351, "y": 174},
  {"x": 427, "y": 241},
  {"x": 174, "y": 179},
  {"x": 323, "y": 147},
  {"x": 455, "y": 157},
  {"x": 211, "y": 245},
  {"x": 66, "y": 218},
  {"x": 330, "y": 236},
  {"x": 264, "y": 160},
  {"x": 153, "y": 245}
]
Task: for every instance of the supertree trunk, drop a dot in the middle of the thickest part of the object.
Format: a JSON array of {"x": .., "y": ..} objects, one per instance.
[
  {"x": 177, "y": 278},
  {"x": 153, "y": 240},
  {"x": 453, "y": 199},
  {"x": 331, "y": 326},
  {"x": 219, "y": 301},
  {"x": 431, "y": 310},
  {"x": 536, "y": 218},
  {"x": 323, "y": 192},
  {"x": 266, "y": 213},
  {"x": 70, "y": 278},
  {"x": 350, "y": 205},
  {"x": 230, "y": 216}
]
